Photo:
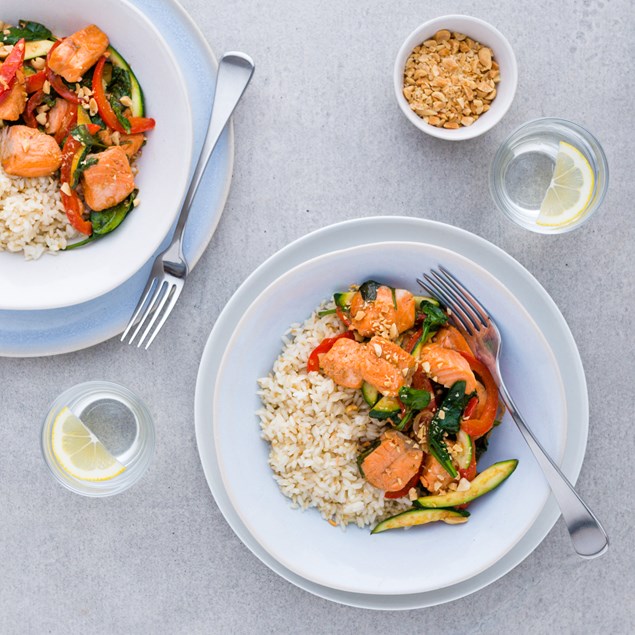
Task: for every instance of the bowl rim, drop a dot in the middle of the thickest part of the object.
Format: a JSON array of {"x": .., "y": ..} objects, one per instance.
[
  {"x": 118, "y": 277},
  {"x": 228, "y": 486},
  {"x": 463, "y": 133}
]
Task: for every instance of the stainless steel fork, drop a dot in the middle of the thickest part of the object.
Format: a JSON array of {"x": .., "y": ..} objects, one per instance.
[
  {"x": 170, "y": 267},
  {"x": 470, "y": 317}
]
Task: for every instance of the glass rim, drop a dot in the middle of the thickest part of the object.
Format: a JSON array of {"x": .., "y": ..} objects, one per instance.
[
  {"x": 135, "y": 469},
  {"x": 599, "y": 166}
]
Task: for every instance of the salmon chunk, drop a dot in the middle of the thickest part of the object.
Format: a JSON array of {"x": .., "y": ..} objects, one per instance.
[
  {"x": 28, "y": 152},
  {"x": 446, "y": 366},
  {"x": 108, "y": 182},
  {"x": 56, "y": 116},
  {"x": 386, "y": 366},
  {"x": 450, "y": 337},
  {"x": 379, "y": 316},
  {"x": 393, "y": 463},
  {"x": 343, "y": 363},
  {"x": 78, "y": 52},
  {"x": 12, "y": 106},
  {"x": 131, "y": 143},
  {"x": 434, "y": 477}
]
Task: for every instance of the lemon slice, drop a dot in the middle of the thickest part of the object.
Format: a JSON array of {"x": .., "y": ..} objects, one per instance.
[
  {"x": 79, "y": 452},
  {"x": 570, "y": 189}
]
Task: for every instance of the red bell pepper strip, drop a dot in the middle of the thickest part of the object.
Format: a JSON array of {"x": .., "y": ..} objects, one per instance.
[
  {"x": 68, "y": 123},
  {"x": 72, "y": 203},
  {"x": 478, "y": 427},
  {"x": 35, "y": 82},
  {"x": 141, "y": 124},
  {"x": 137, "y": 124},
  {"x": 57, "y": 82},
  {"x": 11, "y": 65},
  {"x": 342, "y": 316},
  {"x": 470, "y": 408},
  {"x": 34, "y": 101},
  {"x": 413, "y": 482},
  {"x": 324, "y": 347}
]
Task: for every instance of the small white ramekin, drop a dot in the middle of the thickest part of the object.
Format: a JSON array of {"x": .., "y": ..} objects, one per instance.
[{"x": 482, "y": 32}]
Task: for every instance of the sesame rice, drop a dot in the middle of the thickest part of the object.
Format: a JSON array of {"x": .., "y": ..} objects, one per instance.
[{"x": 315, "y": 429}]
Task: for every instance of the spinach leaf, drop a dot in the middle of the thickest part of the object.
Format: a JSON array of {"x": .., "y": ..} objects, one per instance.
[
  {"x": 118, "y": 109},
  {"x": 109, "y": 219},
  {"x": 81, "y": 243},
  {"x": 447, "y": 419},
  {"x": 414, "y": 398},
  {"x": 452, "y": 407},
  {"x": 438, "y": 449},
  {"x": 30, "y": 31},
  {"x": 480, "y": 446},
  {"x": 368, "y": 290},
  {"x": 435, "y": 317},
  {"x": 81, "y": 134},
  {"x": 119, "y": 86}
]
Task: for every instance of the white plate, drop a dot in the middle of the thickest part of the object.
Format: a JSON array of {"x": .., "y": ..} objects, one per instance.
[
  {"x": 511, "y": 274},
  {"x": 356, "y": 561},
  {"x": 83, "y": 274},
  {"x": 51, "y": 332}
]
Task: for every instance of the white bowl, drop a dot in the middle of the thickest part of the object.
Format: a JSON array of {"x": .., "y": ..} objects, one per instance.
[
  {"x": 86, "y": 273},
  {"x": 482, "y": 32},
  {"x": 400, "y": 562}
]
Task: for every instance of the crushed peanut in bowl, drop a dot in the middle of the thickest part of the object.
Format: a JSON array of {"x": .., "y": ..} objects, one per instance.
[{"x": 450, "y": 80}]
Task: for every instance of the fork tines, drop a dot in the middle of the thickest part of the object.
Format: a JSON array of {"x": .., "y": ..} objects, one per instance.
[
  {"x": 465, "y": 308},
  {"x": 157, "y": 300}
]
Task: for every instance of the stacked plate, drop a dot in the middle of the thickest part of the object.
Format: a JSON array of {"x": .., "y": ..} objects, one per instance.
[
  {"x": 80, "y": 298},
  {"x": 423, "y": 566}
]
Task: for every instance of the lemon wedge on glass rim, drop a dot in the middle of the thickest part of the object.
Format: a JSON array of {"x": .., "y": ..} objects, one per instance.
[
  {"x": 570, "y": 189},
  {"x": 79, "y": 452}
]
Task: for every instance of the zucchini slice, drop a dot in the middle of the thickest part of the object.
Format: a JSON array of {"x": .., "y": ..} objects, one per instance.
[
  {"x": 38, "y": 48},
  {"x": 370, "y": 393},
  {"x": 136, "y": 94},
  {"x": 485, "y": 482},
  {"x": 413, "y": 517},
  {"x": 343, "y": 300},
  {"x": 464, "y": 458},
  {"x": 385, "y": 408}
]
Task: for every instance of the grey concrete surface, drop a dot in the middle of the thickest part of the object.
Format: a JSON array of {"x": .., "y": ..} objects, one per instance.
[{"x": 320, "y": 139}]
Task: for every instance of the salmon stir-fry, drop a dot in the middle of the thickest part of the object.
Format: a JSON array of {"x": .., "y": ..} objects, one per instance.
[
  {"x": 73, "y": 109},
  {"x": 417, "y": 374}
]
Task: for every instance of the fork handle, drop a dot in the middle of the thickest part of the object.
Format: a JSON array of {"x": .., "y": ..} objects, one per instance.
[
  {"x": 587, "y": 534},
  {"x": 234, "y": 73}
]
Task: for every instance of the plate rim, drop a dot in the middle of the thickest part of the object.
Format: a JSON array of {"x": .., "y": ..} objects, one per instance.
[
  {"x": 409, "y": 226},
  {"x": 221, "y": 460}
]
